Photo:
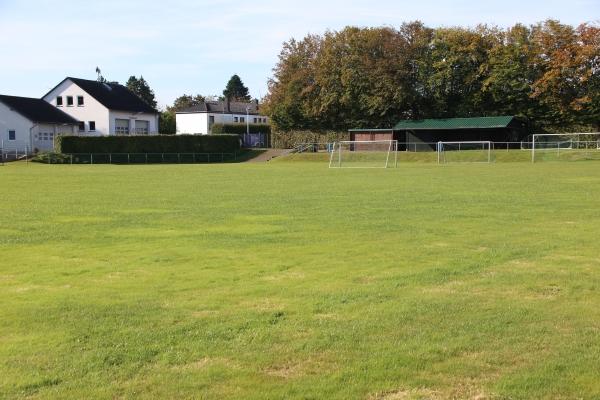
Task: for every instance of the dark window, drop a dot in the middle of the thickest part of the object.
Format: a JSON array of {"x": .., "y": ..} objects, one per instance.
[
  {"x": 242, "y": 119},
  {"x": 254, "y": 120},
  {"x": 59, "y": 100},
  {"x": 82, "y": 126},
  {"x": 69, "y": 100},
  {"x": 92, "y": 125},
  {"x": 12, "y": 135},
  {"x": 79, "y": 100}
]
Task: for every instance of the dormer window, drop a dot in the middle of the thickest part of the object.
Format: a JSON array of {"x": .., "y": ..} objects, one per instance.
[
  {"x": 70, "y": 101},
  {"x": 79, "y": 101},
  {"x": 59, "y": 102}
]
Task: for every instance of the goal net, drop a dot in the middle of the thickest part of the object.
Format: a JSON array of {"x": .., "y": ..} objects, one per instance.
[
  {"x": 465, "y": 152},
  {"x": 364, "y": 154},
  {"x": 565, "y": 146}
]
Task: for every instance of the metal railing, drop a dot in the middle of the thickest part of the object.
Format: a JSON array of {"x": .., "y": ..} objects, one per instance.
[
  {"x": 13, "y": 149},
  {"x": 141, "y": 158}
]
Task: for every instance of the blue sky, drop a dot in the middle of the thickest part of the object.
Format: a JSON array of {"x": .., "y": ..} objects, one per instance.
[{"x": 191, "y": 47}]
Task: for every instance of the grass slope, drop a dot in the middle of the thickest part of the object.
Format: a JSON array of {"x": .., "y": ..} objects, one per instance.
[{"x": 289, "y": 280}]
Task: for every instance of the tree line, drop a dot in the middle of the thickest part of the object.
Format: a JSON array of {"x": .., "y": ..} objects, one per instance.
[{"x": 547, "y": 73}]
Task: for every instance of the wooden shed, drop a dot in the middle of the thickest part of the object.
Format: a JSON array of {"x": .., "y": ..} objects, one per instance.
[{"x": 423, "y": 134}]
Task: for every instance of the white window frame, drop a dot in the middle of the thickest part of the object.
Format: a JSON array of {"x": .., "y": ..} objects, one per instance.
[
  {"x": 59, "y": 99},
  {"x": 69, "y": 100},
  {"x": 80, "y": 102},
  {"x": 14, "y": 132},
  {"x": 92, "y": 125}
]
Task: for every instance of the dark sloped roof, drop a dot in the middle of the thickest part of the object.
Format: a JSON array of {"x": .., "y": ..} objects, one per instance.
[
  {"x": 113, "y": 96},
  {"x": 454, "y": 123},
  {"x": 37, "y": 110},
  {"x": 217, "y": 106}
]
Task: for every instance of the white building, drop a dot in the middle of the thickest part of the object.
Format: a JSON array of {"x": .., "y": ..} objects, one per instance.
[
  {"x": 103, "y": 108},
  {"x": 199, "y": 119},
  {"x": 27, "y": 123}
]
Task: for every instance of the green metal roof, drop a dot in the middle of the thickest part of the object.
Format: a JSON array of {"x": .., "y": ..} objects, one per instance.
[
  {"x": 454, "y": 123},
  {"x": 371, "y": 130}
]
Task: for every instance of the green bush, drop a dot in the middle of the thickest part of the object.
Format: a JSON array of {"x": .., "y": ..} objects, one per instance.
[
  {"x": 55, "y": 158},
  {"x": 147, "y": 144},
  {"x": 240, "y": 128},
  {"x": 290, "y": 139}
]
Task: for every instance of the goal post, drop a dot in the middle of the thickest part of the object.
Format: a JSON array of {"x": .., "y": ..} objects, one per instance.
[
  {"x": 465, "y": 152},
  {"x": 364, "y": 154},
  {"x": 565, "y": 146}
]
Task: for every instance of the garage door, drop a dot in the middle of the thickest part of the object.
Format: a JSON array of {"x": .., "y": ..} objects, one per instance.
[
  {"x": 141, "y": 127},
  {"x": 122, "y": 126}
]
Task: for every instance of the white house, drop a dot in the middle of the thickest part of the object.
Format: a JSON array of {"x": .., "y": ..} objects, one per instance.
[
  {"x": 103, "y": 108},
  {"x": 199, "y": 119},
  {"x": 27, "y": 123}
]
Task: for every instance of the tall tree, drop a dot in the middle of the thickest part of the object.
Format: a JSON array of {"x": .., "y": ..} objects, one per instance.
[
  {"x": 235, "y": 89},
  {"x": 141, "y": 88},
  {"x": 166, "y": 123},
  {"x": 185, "y": 101}
]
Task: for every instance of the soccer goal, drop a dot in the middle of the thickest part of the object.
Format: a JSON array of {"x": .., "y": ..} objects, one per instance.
[
  {"x": 565, "y": 146},
  {"x": 465, "y": 152},
  {"x": 364, "y": 154}
]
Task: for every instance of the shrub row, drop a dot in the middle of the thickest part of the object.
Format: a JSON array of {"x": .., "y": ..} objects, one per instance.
[
  {"x": 240, "y": 128},
  {"x": 147, "y": 144},
  {"x": 289, "y": 139}
]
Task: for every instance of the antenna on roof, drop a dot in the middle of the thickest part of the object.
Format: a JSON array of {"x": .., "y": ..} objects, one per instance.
[{"x": 100, "y": 79}]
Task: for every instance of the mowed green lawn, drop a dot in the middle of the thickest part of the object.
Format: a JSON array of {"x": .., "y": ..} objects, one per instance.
[{"x": 292, "y": 280}]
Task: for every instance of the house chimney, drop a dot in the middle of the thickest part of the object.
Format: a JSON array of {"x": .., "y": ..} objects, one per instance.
[
  {"x": 255, "y": 104},
  {"x": 227, "y": 104}
]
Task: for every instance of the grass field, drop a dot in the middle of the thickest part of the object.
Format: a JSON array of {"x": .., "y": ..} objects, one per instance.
[{"x": 292, "y": 280}]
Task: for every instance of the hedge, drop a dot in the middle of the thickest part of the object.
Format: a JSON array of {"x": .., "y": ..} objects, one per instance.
[
  {"x": 147, "y": 144},
  {"x": 240, "y": 128},
  {"x": 289, "y": 139}
]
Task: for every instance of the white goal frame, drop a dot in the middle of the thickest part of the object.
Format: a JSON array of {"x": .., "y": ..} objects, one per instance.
[
  {"x": 574, "y": 142},
  {"x": 442, "y": 158},
  {"x": 392, "y": 147}
]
